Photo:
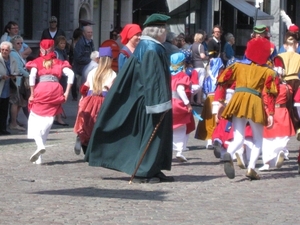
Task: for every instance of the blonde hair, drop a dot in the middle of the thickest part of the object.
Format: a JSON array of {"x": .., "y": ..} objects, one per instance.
[
  {"x": 104, "y": 70},
  {"x": 175, "y": 67},
  {"x": 198, "y": 37},
  {"x": 47, "y": 63}
]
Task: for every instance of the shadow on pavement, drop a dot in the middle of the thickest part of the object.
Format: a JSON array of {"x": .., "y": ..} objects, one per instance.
[
  {"x": 194, "y": 178},
  {"x": 107, "y": 193},
  {"x": 15, "y": 141},
  {"x": 194, "y": 163},
  {"x": 196, "y": 147},
  {"x": 63, "y": 162},
  {"x": 273, "y": 175}
]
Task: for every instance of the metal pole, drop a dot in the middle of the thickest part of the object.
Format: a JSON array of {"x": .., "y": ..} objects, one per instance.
[
  {"x": 257, "y": 5},
  {"x": 255, "y": 19}
]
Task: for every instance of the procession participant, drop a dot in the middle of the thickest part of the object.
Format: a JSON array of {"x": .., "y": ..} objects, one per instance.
[
  {"x": 261, "y": 31},
  {"x": 94, "y": 90},
  {"x": 291, "y": 28},
  {"x": 291, "y": 64},
  {"x": 183, "y": 120},
  {"x": 137, "y": 111},
  {"x": 47, "y": 96},
  {"x": 252, "y": 76},
  {"x": 130, "y": 37},
  {"x": 223, "y": 133},
  {"x": 274, "y": 145},
  {"x": 290, "y": 71},
  {"x": 206, "y": 127}
]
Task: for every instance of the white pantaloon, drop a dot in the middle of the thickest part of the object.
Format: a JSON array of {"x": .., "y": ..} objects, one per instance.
[
  {"x": 180, "y": 139},
  {"x": 271, "y": 148},
  {"x": 39, "y": 128},
  {"x": 239, "y": 125}
]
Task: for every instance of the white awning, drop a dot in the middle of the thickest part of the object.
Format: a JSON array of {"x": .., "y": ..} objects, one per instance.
[
  {"x": 250, "y": 10},
  {"x": 173, "y": 4}
]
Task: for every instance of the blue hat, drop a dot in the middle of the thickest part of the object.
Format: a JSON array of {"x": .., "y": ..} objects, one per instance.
[
  {"x": 177, "y": 62},
  {"x": 105, "y": 51},
  {"x": 188, "y": 55}
]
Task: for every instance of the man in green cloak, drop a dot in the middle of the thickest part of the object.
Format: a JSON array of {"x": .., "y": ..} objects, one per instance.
[{"x": 139, "y": 98}]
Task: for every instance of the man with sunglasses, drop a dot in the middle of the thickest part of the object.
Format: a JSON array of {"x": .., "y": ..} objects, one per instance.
[{"x": 53, "y": 31}]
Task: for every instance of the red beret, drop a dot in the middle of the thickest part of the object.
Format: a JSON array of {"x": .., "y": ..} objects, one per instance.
[
  {"x": 128, "y": 32},
  {"x": 293, "y": 28},
  {"x": 47, "y": 47},
  {"x": 258, "y": 50}
]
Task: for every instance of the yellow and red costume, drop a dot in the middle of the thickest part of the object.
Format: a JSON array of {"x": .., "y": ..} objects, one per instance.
[{"x": 252, "y": 77}]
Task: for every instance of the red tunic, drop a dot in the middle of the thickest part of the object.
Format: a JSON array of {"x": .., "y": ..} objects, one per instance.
[
  {"x": 224, "y": 132},
  {"x": 86, "y": 118},
  {"x": 283, "y": 125},
  {"x": 48, "y": 96},
  {"x": 181, "y": 116}
]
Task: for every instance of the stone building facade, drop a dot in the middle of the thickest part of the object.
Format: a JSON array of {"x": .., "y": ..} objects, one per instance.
[{"x": 187, "y": 16}]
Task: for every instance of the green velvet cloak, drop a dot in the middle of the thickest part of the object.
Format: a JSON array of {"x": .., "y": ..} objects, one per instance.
[{"x": 133, "y": 106}]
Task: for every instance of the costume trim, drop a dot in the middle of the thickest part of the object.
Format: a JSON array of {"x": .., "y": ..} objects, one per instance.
[
  {"x": 175, "y": 95},
  {"x": 48, "y": 78},
  {"x": 291, "y": 77},
  {"x": 249, "y": 90},
  {"x": 159, "y": 108}
]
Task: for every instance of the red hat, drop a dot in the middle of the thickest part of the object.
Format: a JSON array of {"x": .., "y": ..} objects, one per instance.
[
  {"x": 293, "y": 28},
  {"x": 47, "y": 49},
  {"x": 128, "y": 32},
  {"x": 258, "y": 50}
]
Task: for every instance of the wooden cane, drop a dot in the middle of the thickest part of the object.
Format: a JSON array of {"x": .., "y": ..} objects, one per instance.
[{"x": 147, "y": 146}]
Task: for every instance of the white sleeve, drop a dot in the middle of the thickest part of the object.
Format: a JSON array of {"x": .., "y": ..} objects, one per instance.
[
  {"x": 182, "y": 94},
  {"x": 70, "y": 74},
  {"x": 32, "y": 76}
]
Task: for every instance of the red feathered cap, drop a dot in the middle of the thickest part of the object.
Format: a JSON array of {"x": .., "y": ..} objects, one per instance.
[
  {"x": 293, "y": 28},
  {"x": 47, "y": 49},
  {"x": 258, "y": 50},
  {"x": 128, "y": 32}
]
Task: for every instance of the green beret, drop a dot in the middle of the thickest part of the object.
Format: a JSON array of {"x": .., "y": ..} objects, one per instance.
[
  {"x": 156, "y": 19},
  {"x": 259, "y": 29}
]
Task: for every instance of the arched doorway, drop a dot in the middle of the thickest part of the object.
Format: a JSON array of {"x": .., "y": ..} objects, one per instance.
[{"x": 85, "y": 12}]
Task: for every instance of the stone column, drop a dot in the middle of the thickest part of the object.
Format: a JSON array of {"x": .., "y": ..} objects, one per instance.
[
  {"x": 276, "y": 28},
  {"x": 107, "y": 19},
  {"x": 126, "y": 12},
  {"x": 40, "y": 18}
]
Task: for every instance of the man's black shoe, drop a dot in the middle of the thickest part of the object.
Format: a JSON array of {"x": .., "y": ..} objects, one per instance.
[{"x": 164, "y": 178}]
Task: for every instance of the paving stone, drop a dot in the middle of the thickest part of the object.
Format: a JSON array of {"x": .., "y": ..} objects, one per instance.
[{"x": 65, "y": 190}]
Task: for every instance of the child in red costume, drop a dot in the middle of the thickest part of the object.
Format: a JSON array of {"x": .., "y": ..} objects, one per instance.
[
  {"x": 47, "y": 96},
  {"x": 94, "y": 90},
  {"x": 183, "y": 120}
]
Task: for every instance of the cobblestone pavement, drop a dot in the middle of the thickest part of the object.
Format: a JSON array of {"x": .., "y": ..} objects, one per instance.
[{"x": 65, "y": 190}]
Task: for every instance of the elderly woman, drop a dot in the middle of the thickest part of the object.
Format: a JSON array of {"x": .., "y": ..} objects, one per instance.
[
  {"x": 199, "y": 60},
  {"x": 18, "y": 100},
  {"x": 8, "y": 70},
  {"x": 47, "y": 96},
  {"x": 130, "y": 37}
]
